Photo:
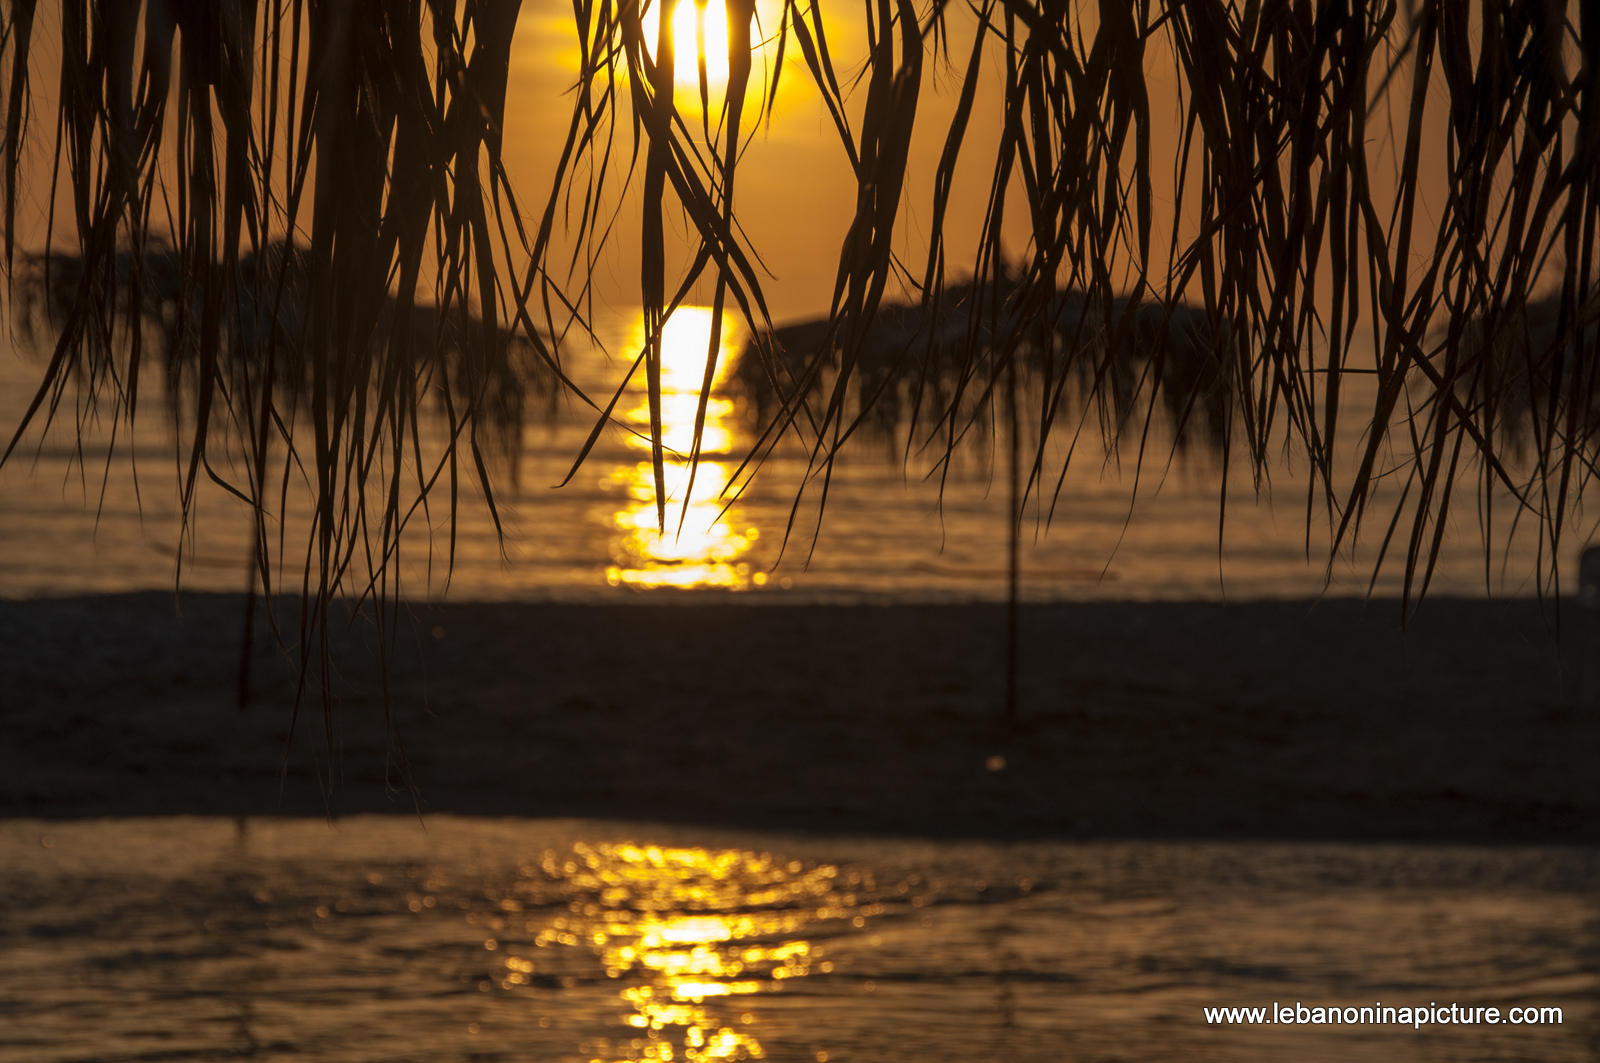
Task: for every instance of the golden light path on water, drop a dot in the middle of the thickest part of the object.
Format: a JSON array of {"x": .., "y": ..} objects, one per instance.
[
  {"x": 550, "y": 941},
  {"x": 687, "y": 932},
  {"x": 703, "y": 547}
]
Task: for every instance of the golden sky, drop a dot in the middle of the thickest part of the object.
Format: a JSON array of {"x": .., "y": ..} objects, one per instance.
[{"x": 796, "y": 193}]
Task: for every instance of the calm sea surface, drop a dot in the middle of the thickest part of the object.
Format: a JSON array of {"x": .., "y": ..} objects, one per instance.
[{"x": 377, "y": 939}]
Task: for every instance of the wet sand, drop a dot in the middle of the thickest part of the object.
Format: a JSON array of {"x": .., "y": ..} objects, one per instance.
[{"x": 1259, "y": 720}]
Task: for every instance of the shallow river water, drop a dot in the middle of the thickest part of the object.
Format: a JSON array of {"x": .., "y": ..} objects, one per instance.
[{"x": 382, "y": 938}]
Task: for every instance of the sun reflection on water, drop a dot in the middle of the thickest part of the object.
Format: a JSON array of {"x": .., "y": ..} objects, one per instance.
[
  {"x": 688, "y": 932},
  {"x": 702, "y": 546}
]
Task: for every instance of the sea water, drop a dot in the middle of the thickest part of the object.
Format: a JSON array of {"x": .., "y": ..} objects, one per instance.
[{"x": 385, "y": 938}]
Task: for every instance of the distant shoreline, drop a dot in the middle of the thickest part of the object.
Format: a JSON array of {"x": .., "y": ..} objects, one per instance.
[{"x": 1272, "y": 720}]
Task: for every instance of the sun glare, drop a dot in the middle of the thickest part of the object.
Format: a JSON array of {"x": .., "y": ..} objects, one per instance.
[
  {"x": 686, "y": 41},
  {"x": 704, "y": 546}
]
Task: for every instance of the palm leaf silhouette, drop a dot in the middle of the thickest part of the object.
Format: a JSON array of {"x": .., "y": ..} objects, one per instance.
[{"x": 285, "y": 176}]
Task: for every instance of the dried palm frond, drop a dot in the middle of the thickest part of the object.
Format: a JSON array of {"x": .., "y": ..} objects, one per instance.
[
  {"x": 371, "y": 130},
  {"x": 195, "y": 142}
]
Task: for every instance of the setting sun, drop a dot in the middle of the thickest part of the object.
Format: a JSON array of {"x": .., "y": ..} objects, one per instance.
[{"x": 686, "y": 40}]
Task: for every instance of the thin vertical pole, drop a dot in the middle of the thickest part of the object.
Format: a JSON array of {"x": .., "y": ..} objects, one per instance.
[
  {"x": 247, "y": 644},
  {"x": 1013, "y": 535}
]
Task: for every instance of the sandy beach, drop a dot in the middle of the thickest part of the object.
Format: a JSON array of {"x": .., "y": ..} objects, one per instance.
[{"x": 1265, "y": 720}]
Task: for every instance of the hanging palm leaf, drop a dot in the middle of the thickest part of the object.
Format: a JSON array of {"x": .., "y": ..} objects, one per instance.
[{"x": 290, "y": 178}]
